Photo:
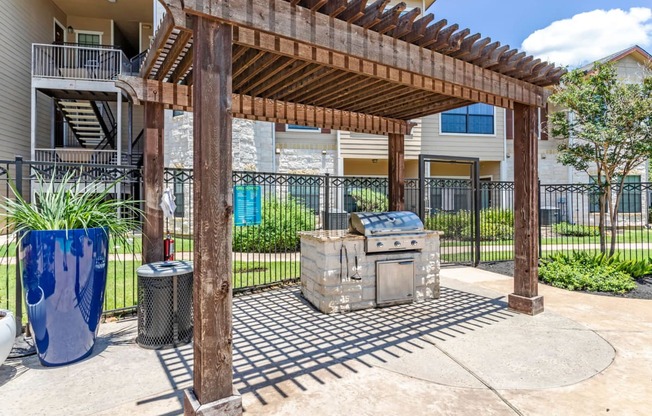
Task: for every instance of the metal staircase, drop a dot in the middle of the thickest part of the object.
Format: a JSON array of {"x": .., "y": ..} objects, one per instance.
[{"x": 91, "y": 122}]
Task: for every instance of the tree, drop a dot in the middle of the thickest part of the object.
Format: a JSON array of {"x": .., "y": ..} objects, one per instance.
[{"x": 610, "y": 123}]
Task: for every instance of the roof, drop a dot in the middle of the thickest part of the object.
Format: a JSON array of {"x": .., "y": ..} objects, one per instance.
[
  {"x": 634, "y": 51},
  {"x": 343, "y": 60}
]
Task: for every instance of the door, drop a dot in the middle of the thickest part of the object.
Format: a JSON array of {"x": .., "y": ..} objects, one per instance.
[{"x": 58, "y": 34}]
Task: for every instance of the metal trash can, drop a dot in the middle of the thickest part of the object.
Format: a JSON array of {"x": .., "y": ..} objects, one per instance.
[
  {"x": 549, "y": 215},
  {"x": 165, "y": 304}
]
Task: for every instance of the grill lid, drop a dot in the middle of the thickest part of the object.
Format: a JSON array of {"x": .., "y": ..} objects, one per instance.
[{"x": 379, "y": 223}]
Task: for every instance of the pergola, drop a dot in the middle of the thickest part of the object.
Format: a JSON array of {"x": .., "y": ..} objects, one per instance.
[{"x": 337, "y": 64}]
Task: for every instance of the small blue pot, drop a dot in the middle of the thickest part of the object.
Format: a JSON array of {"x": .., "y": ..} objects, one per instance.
[{"x": 64, "y": 279}]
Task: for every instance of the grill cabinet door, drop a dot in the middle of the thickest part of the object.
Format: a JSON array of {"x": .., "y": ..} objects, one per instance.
[{"x": 394, "y": 282}]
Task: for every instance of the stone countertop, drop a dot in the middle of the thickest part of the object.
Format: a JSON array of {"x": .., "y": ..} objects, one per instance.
[
  {"x": 330, "y": 235},
  {"x": 335, "y": 235}
]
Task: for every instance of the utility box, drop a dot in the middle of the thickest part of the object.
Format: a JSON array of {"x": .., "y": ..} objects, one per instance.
[
  {"x": 549, "y": 215},
  {"x": 165, "y": 304}
]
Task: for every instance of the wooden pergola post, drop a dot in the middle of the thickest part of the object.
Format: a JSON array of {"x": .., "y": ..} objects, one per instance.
[
  {"x": 153, "y": 182},
  {"x": 212, "y": 391},
  {"x": 525, "y": 298},
  {"x": 396, "y": 172}
]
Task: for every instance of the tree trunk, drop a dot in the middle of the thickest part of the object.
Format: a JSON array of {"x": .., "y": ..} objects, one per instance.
[{"x": 601, "y": 225}]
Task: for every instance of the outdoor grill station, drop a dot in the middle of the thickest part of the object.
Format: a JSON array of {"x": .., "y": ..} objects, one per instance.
[
  {"x": 221, "y": 58},
  {"x": 383, "y": 259}
]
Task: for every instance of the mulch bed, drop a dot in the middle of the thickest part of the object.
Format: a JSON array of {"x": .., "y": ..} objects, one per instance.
[{"x": 642, "y": 291}]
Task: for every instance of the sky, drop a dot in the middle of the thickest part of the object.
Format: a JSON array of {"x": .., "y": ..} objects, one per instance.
[{"x": 566, "y": 32}]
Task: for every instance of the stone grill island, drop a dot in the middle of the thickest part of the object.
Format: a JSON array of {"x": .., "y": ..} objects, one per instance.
[{"x": 348, "y": 270}]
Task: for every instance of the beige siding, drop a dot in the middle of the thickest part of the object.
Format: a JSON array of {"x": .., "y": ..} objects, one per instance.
[
  {"x": 367, "y": 146},
  {"x": 21, "y": 24},
  {"x": 485, "y": 147},
  {"x": 81, "y": 24}
]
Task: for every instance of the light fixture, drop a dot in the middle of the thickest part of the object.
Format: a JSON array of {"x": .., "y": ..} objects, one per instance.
[
  {"x": 278, "y": 151},
  {"x": 323, "y": 152},
  {"x": 374, "y": 160},
  {"x": 112, "y": 1},
  {"x": 147, "y": 26},
  {"x": 71, "y": 30}
]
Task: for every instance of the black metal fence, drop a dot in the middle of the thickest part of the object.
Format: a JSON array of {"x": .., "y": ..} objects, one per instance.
[{"x": 268, "y": 253}]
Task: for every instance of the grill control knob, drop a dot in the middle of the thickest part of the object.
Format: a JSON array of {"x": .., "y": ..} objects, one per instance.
[
  {"x": 379, "y": 244},
  {"x": 397, "y": 244},
  {"x": 414, "y": 242}
]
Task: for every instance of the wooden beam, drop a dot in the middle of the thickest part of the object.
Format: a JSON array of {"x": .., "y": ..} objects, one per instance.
[
  {"x": 171, "y": 57},
  {"x": 297, "y": 32},
  {"x": 180, "y": 97},
  {"x": 182, "y": 67},
  {"x": 526, "y": 216},
  {"x": 212, "y": 213},
  {"x": 153, "y": 182},
  {"x": 396, "y": 172},
  {"x": 158, "y": 45}
]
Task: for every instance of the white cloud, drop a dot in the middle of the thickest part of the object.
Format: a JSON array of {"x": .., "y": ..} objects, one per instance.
[{"x": 589, "y": 36}]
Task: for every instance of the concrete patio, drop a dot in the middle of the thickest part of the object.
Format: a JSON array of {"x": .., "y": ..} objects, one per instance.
[{"x": 462, "y": 354}]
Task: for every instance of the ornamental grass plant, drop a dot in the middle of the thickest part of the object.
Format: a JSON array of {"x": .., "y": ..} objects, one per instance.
[{"x": 67, "y": 204}]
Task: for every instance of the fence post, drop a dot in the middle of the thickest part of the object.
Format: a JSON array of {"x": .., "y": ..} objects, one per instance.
[
  {"x": 539, "y": 215},
  {"x": 476, "y": 202},
  {"x": 327, "y": 201},
  {"x": 19, "y": 283}
]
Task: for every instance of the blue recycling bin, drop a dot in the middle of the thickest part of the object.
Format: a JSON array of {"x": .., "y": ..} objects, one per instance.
[{"x": 64, "y": 280}]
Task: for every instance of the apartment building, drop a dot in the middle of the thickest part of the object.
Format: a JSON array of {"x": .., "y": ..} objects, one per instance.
[{"x": 59, "y": 61}]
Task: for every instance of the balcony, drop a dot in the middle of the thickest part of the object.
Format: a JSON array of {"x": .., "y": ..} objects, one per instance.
[
  {"x": 81, "y": 156},
  {"x": 73, "y": 61}
]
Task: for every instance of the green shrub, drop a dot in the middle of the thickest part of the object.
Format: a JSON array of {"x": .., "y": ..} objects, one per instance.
[
  {"x": 575, "y": 230},
  {"x": 368, "y": 200},
  {"x": 586, "y": 271},
  {"x": 277, "y": 232},
  {"x": 495, "y": 224},
  {"x": 454, "y": 225}
]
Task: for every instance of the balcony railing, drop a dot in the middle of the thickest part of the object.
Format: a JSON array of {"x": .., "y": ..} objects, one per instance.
[
  {"x": 78, "y": 62},
  {"x": 79, "y": 155}
]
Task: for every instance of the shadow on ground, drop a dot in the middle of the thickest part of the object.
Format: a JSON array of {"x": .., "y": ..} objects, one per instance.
[{"x": 279, "y": 337}]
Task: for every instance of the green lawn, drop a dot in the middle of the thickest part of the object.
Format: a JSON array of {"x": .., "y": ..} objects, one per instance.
[{"x": 121, "y": 280}]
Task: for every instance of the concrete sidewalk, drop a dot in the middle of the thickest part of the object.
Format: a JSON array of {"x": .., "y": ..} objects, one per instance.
[{"x": 462, "y": 354}]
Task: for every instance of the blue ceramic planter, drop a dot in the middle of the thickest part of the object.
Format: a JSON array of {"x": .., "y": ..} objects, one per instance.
[{"x": 64, "y": 277}]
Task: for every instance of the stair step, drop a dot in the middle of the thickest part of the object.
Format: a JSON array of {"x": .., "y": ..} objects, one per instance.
[{"x": 75, "y": 103}]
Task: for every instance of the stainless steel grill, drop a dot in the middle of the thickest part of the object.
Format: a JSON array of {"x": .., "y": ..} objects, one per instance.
[{"x": 389, "y": 231}]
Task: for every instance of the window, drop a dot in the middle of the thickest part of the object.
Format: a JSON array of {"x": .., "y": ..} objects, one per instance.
[
  {"x": 176, "y": 113},
  {"x": 474, "y": 119},
  {"x": 179, "y": 192},
  {"x": 88, "y": 39},
  {"x": 630, "y": 200},
  {"x": 296, "y": 127}
]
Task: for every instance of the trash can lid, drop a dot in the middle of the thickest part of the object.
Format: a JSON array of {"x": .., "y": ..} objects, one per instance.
[{"x": 165, "y": 268}]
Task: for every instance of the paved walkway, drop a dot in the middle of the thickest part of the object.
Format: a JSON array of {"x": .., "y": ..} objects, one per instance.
[{"x": 464, "y": 354}]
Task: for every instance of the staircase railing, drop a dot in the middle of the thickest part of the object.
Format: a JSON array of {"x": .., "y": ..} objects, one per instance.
[{"x": 108, "y": 124}]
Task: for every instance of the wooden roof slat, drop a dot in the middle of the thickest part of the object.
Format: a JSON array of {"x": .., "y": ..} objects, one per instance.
[
  {"x": 301, "y": 82},
  {"x": 307, "y": 85},
  {"x": 313, "y": 5},
  {"x": 484, "y": 54},
  {"x": 295, "y": 79},
  {"x": 397, "y": 98},
  {"x": 333, "y": 8},
  {"x": 317, "y": 87},
  {"x": 254, "y": 69},
  {"x": 354, "y": 10},
  {"x": 389, "y": 19},
  {"x": 179, "y": 44},
  {"x": 182, "y": 67},
  {"x": 270, "y": 72},
  {"x": 453, "y": 43},
  {"x": 496, "y": 56},
  {"x": 249, "y": 59},
  {"x": 471, "y": 46},
  {"x": 441, "y": 38},
  {"x": 431, "y": 34},
  {"x": 335, "y": 92},
  {"x": 419, "y": 101},
  {"x": 417, "y": 29},
  {"x": 288, "y": 77},
  {"x": 405, "y": 24},
  {"x": 369, "y": 94},
  {"x": 158, "y": 43},
  {"x": 437, "y": 107},
  {"x": 372, "y": 14}
]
